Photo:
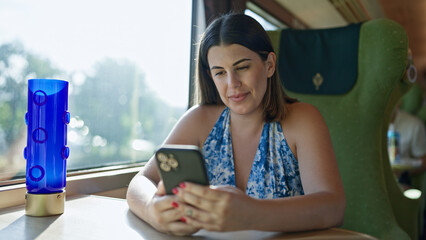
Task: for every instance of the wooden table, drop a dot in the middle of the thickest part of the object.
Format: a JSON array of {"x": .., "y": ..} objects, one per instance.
[{"x": 94, "y": 217}]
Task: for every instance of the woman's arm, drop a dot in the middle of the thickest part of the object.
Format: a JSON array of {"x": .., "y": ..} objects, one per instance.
[
  {"x": 152, "y": 205},
  {"x": 229, "y": 209},
  {"x": 141, "y": 190},
  {"x": 322, "y": 206},
  {"x": 319, "y": 172},
  {"x": 149, "y": 202}
]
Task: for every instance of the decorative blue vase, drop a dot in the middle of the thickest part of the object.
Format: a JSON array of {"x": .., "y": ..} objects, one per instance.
[{"x": 46, "y": 152}]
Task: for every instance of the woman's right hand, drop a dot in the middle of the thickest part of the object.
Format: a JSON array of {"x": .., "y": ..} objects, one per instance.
[{"x": 164, "y": 216}]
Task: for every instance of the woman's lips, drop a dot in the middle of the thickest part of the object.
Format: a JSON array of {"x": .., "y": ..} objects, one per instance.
[{"x": 238, "y": 97}]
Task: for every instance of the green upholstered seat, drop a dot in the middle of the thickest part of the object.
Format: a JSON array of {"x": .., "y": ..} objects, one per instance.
[
  {"x": 408, "y": 212},
  {"x": 358, "y": 121},
  {"x": 422, "y": 113},
  {"x": 412, "y": 100}
]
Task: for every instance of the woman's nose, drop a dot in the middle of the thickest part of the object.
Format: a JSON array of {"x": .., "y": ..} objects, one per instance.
[{"x": 234, "y": 81}]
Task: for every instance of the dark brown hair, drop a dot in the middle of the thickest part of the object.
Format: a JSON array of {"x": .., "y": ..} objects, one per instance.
[{"x": 243, "y": 30}]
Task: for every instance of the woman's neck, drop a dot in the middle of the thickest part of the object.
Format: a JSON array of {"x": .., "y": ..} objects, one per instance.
[{"x": 248, "y": 123}]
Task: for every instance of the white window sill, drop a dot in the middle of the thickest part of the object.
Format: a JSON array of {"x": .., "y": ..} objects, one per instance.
[{"x": 84, "y": 182}]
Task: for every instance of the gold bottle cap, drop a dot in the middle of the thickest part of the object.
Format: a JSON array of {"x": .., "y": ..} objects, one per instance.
[{"x": 42, "y": 205}]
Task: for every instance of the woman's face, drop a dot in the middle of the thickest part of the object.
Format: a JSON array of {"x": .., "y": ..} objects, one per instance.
[{"x": 240, "y": 76}]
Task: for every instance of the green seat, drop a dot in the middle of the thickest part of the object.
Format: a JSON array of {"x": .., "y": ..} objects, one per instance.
[
  {"x": 407, "y": 211},
  {"x": 358, "y": 117},
  {"x": 422, "y": 113},
  {"x": 412, "y": 102}
]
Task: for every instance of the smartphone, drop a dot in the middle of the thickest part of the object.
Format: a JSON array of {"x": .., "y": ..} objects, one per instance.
[{"x": 179, "y": 163}]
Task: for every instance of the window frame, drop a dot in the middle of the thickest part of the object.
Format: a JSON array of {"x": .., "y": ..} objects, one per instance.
[
  {"x": 79, "y": 183},
  {"x": 101, "y": 179}
]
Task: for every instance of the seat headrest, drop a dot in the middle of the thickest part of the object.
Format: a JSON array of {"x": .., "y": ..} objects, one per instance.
[{"x": 323, "y": 61}]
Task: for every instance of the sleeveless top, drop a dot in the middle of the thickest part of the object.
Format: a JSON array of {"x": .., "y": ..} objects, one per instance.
[{"x": 275, "y": 170}]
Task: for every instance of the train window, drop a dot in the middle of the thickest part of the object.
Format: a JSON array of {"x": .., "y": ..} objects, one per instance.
[
  {"x": 267, "y": 21},
  {"x": 128, "y": 65}
]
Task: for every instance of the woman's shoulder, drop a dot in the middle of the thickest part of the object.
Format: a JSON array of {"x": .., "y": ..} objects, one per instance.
[
  {"x": 204, "y": 112},
  {"x": 202, "y": 118},
  {"x": 300, "y": 111},
  {"x": 302, "y": 118},
  {"x": 195, "y": 125},
  {"x": 302, "y": 123}
]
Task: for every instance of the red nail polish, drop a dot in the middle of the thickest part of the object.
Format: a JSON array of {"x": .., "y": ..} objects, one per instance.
[
  {"x": 175, "y": 204},
  {"x": 175, "y": 191},
  {"x": 182, "y": 185},
  {"x": 182, "y": 219}
]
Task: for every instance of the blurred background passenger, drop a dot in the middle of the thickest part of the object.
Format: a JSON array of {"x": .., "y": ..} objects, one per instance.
[{"x": 412, "y": 142}]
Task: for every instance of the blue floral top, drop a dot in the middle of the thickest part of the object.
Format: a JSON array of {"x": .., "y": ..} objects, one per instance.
[{"x": 275, "y": 170}]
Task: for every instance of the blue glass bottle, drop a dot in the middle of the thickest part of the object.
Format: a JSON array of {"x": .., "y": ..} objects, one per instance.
[{"x": 46, "y": 152}]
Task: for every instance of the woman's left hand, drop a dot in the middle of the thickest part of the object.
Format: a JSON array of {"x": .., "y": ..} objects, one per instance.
[{"x": 214, "y": 208}]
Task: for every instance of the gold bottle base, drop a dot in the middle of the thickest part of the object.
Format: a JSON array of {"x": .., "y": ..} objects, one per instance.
[{"x": 42, "y": 205}]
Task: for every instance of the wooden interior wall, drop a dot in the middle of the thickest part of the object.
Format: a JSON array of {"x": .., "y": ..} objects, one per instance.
[
  {"x": 412, "y": 16},
  {"x": 214, "y": 8}
]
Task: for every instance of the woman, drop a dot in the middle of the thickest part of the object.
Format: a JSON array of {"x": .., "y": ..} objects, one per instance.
[{"x": 260, "y": 180}]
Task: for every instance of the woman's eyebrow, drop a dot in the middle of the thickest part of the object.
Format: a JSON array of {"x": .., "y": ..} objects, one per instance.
[
  {"x": 241, "y": 60},
  {"x": 216, "y": 67},
  {"x": 235, "y": 63}
]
